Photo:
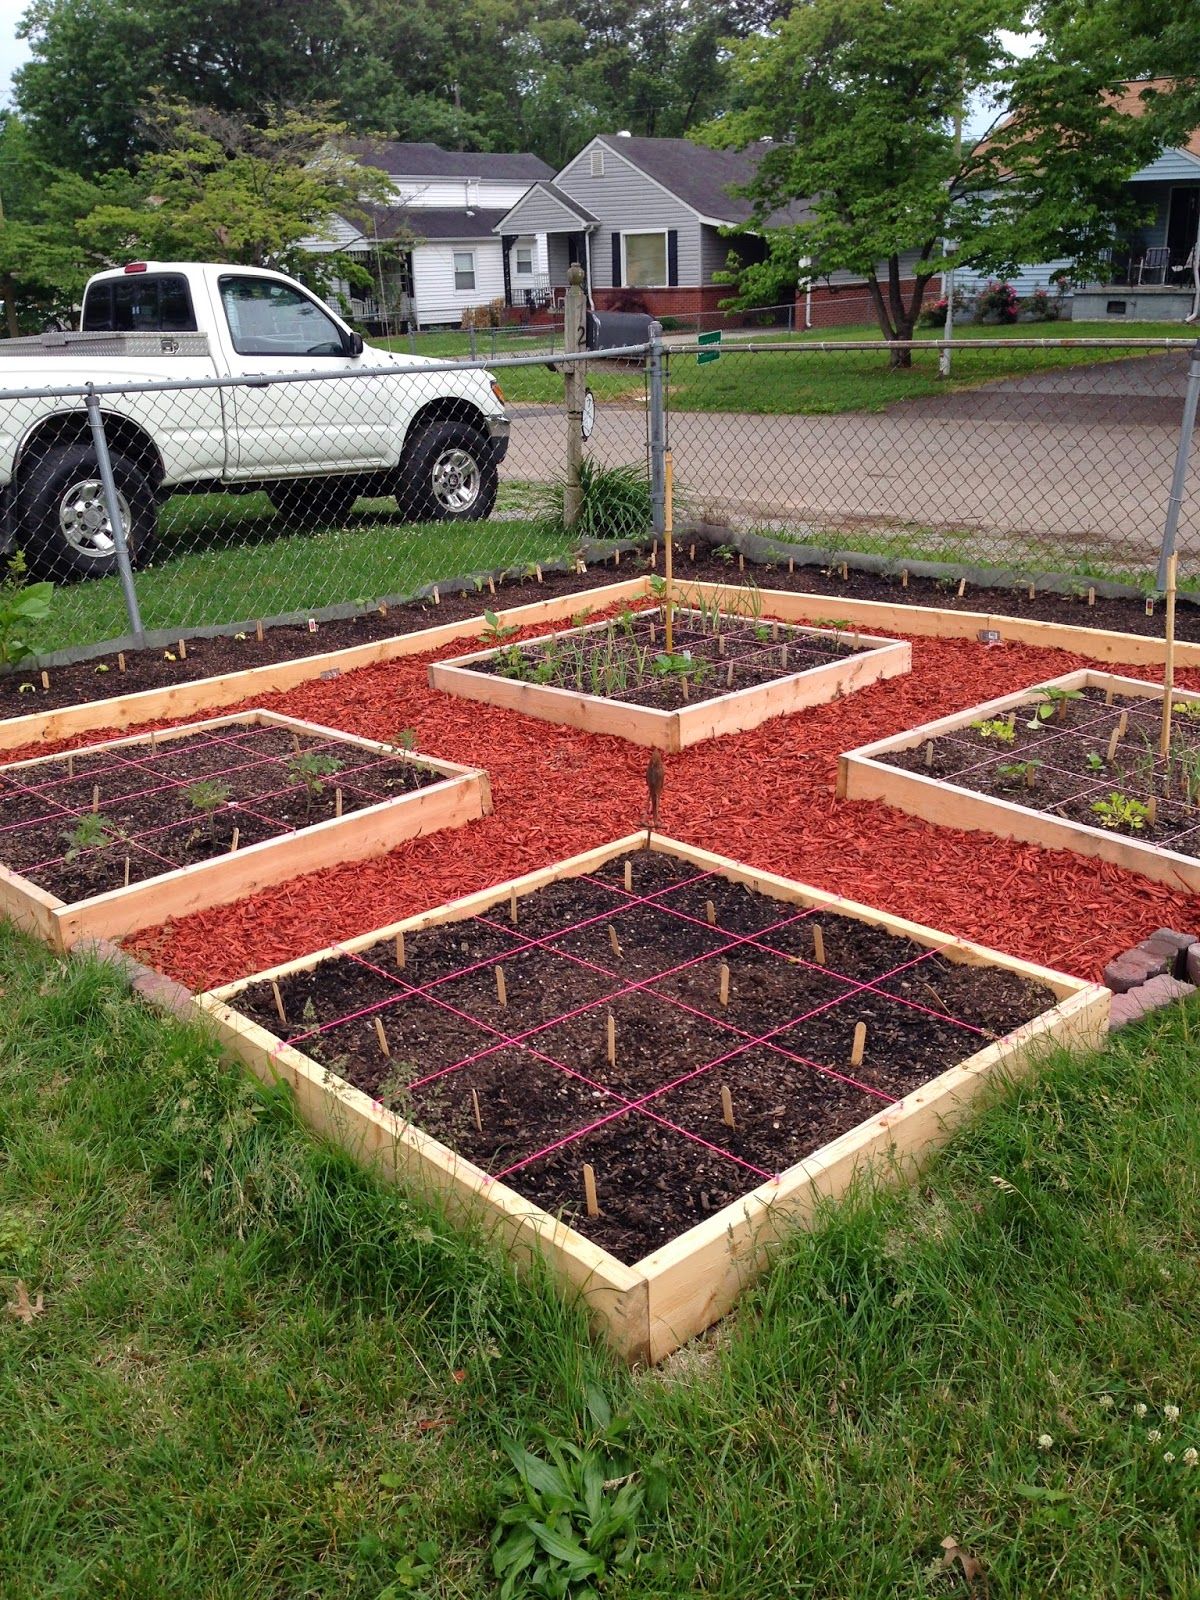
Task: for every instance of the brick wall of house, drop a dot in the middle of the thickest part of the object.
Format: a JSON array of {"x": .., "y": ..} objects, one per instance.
[{"x": 838, "y": 306}]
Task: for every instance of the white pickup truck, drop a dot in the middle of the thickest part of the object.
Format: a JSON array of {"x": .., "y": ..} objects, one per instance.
[{"x": 432, "y": 439}]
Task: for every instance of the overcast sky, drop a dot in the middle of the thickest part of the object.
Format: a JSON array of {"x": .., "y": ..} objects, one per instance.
[{"x": 13, "y": 51}]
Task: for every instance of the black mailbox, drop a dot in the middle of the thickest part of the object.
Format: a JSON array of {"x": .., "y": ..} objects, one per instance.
[{"x": 614, "y": 330}]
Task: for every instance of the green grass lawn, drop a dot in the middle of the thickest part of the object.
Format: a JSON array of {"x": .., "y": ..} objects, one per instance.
[
  {"x": 258, "y": 1374},
  {"x": 781, "y": 380},
  {"x": 222, "y": 558}
]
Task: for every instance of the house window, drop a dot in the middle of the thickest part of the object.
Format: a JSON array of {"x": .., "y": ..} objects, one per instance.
[
  {"x": 597, "y": 163},
  {"x": 524, "y": 261},
  {"x": 645, "y": 260},
  {"x": 464, "y": 269}
]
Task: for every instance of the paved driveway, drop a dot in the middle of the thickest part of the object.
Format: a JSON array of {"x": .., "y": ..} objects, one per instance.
[{"x": 1074, "y": 460}]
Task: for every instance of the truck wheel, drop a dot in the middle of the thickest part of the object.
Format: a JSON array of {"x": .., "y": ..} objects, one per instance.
[
  {"x": 62, "y": 518},
  {"x": 314, "y": 502},
  {"x": 449, "y": 475}
]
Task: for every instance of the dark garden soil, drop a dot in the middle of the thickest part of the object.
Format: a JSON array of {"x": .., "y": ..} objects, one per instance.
[
  {"x": 75, "y": 825},
  {"x": 712, "y": 654},
  {"x": 527, "y": 1090},
  {"x": 21, "y": 691},
  {"x": 1061, "y": 765}
]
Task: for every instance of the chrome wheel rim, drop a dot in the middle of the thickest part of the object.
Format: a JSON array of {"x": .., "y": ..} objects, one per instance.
[
  {"x": 455, "y": 480},
  {"x": 83, "y": 519}
]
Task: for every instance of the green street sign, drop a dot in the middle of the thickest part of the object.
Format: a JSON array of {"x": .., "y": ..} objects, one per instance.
[{"x": 713, "y": 350}]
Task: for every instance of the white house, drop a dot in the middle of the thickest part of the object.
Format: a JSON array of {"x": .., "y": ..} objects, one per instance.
[{"x": 433, "y": 252}]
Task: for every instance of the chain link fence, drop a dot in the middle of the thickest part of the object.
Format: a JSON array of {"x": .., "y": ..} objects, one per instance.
[{"x": 340, "y": 492}]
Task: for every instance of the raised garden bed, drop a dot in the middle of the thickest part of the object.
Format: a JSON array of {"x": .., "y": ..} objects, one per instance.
[
  {"x": 729, "y": 669},
  {"x": 116, "y": 836},
  {"x": 646, "y": 1061},
  {"x": 1070, "y": 764}
]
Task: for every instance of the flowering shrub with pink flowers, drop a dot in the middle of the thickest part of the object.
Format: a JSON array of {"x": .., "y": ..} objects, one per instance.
[{"x": 997, "y": 302}]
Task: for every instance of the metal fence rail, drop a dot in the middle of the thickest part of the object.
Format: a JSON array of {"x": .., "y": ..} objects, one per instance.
[{"x": 1037, "y": 455}]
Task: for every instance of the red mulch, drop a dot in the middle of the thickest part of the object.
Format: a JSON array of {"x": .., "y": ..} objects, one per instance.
[{"x": 764, "y": 797}]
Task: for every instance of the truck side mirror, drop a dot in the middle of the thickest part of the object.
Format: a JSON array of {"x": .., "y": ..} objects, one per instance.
[{"x": 354, "y": 344}]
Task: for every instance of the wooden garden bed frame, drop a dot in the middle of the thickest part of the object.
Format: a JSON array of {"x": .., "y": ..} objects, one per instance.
[
  {"x": 733, "y": 712},
  {"x": 460, "y": 795},
  {"x": 234, "y": 688},
  {"x": 862, "y": 775},
  {"x": 647, "y": 1310}
]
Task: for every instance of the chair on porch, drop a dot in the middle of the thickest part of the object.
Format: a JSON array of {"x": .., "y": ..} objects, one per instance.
[{"x": 1155, "y": 259}]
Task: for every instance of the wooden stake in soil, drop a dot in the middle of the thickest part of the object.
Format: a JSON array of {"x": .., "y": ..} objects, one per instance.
[
  {"x": 1122, "y": 724},
  {"x": 1113, "y": 740},
  {"x": 904, "y": 578},
  {"x": 501, "y": 987},
  {"x": 1091, "y": 597},
  {"x": 70, "y": 766},
  {"x": 399, "y": 949},
  {"x": 818, "y": 944},
  {"x": 629, "y": 877},
  {"x": 929, "y": 752},
  {"x": 1164, "y": 743},
  {"x": 127, "y": 872},
  {"x": 723, "y": 987},
  {"x": 791, "y": 564},
  {"x": 491, "y": 585},
  {"x": 783, "y": 650},
  {"x": 1108, "y": 695},
  {"x": 237, "y": 834},
  {"x": 962, "y": 587},
  {"x": 337, "y": 802},
  {"x": 729, "y": 676},
  {"x": 691, "y": 552},
  {"x": 1030, "y": 774},
  {"x": 95, "y": 798},
  {"x": 475, "y": 1112},
  {"x": 683, "y": 686},
  {"x": 1152, "y": 810},
  {"x": 589, "y": 1191},
  {"x": 512, "y": 908},
  {"x": 120, "y": 661},
  {"x": 654, "y": 554},
  {"x": 710, "y": 913},
  {"x": 727, "y": 1107},
  {"x": 45, "y": 680},
  {"x": 859, "y": 1045},
  {"x": 668, "y": 548},
  {"x": 258, "y": 631},
  {"x": 612, "y": 1039},
  {"x": 382, "y": 1037},
  {"x": 183, "y": 649},
  {"x": 614, "y": 941},
  {"x": 1033, "y": 591},
  {"x": 278, "y": 998}
]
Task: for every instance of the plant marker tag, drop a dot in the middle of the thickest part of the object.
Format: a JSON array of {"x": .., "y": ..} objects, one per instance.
[
  {"x": 182, "y": 647},
  {"x": 988, "y": 635},
  {"x": 399, "y": 949},
  {"x": 127, "y": 872},
  {"x": 278, "y": 998},
  {"x": 723, "y": 988},
  {"x": 475, "y": 1113},
  {"x": 237, "y": 834},
  {"x": 859, "y": 1045},
  {"x": 258, "y": 630},
  {"x": 95, "y": 798},
  {"x": 818, "y": 944},
  {"x": 501, "y": 987},
  {"x": 337, "y": 802},
  {"x": 1091, "y": 597},
  {"x": 727, "y": 1107},
  {"x": 312, "y": 624},
  {"x": 45, "y": 680},
  {"x": 120, "y": 661},
  {"x": 614, "y": 941},
  {"x": 512, "y": 907},
  {"x": 382, "y": 1037},
  {"x": 1149, "y": 605},
  {"x": 962, "y": 587},
  {"x": 629, "y": 876},
  {"x": 710, "y": 913},
  {"x": 611, "y": 1028},
  {"x": 589, "y": 1191}
]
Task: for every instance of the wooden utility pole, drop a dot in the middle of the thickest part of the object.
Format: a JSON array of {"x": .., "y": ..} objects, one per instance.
[{"x": 575, "y": 375}]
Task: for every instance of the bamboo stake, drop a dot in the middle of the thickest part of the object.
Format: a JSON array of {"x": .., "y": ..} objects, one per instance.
[
  {"x": 1164, "y": 743},
  {"x": 818, "y": 944},
  {"x": 723, "y": 988},
  {"x": 399, "y": 949},
  {"x": 614, "y": 941},
  {"x": 727, "y": 1107},
  {"x": 668, "y": 547},
  {"x": 612, "y": 1040},
  {"x": 710, "y": 913},
  {"x": 127, "y": 872},
  {"x": 859, "y": 1045},
  {"x": 280, "y": 1012},
  {"x": 382, "y": 1037},
  {"x": 589, "y": 1191},
  {"x": 501, "y": 987},
  {"x": 475, "y": 1112}
]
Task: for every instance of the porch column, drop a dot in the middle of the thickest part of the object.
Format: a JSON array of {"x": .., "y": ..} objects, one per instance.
[{"x": 507, "y": 240}]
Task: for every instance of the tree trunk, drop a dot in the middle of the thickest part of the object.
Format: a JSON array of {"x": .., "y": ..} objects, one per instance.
[{"x": 901, "y": 354}]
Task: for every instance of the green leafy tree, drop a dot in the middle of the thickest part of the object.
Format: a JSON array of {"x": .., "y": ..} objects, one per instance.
[{"x": 860, "y": 101}]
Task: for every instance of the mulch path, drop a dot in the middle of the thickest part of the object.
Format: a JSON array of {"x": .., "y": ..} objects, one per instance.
[{"x": 764, "y": 797}]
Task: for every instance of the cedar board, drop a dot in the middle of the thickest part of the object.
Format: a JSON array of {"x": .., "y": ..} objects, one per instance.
[
  {"x": 647, "y": 1310},
  {"x": 461, "y": 795},
  {"x": 862, "y": 776}
]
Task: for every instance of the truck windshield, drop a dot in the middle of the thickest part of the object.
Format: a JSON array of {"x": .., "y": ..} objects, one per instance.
[
  {"x": 267, "y": 318},
  {"x": 147, "y": 303}
]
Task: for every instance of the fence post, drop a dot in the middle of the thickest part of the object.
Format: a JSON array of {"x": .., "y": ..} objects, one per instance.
[
  {"x": 474, "y": 342},
  {"x": 112, "y": 506},
  {"x": 1175, "y": 499},
  {"x": 575, "y": 376},
  {"x": 657, "y": 424}
]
